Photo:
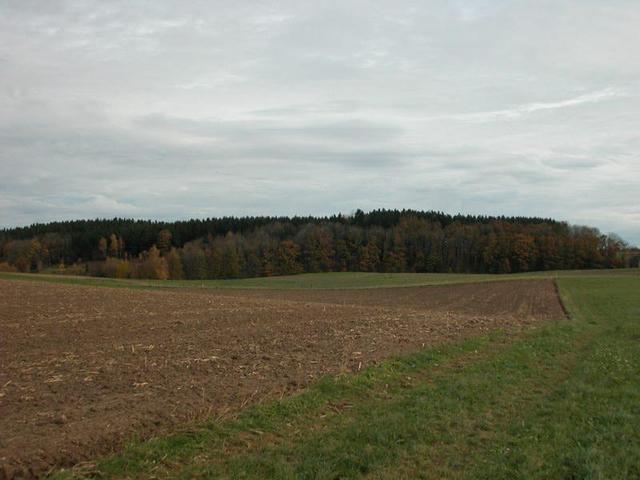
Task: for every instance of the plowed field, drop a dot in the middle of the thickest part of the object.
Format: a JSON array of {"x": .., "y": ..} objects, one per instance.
[{"x": 82, "y": 369}]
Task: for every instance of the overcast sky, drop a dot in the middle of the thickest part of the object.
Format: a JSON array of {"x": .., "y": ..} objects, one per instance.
[{"x": 174, "y": 109}]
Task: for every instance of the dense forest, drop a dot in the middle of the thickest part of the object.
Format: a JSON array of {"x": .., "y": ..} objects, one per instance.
[{"x": 378, "y": 241}]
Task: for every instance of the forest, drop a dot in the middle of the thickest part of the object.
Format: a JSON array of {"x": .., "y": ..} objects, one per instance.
[{"x": 236, "y": 247}]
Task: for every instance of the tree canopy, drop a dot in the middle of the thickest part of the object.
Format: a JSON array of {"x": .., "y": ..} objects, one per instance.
[{"x": 380, "y": 240}]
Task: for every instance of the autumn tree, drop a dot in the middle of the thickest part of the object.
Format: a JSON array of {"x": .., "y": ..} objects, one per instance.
[
  {"x": 194, "y": 262},
  {"x": 287, "y": 258},
  {"x": 381, "y": 240},
  {"x": 122, "y": 247},
  {"x": 317, "y": 249},
  {"x": 214, "y": 256},
  {"x": 153, "y": 266},
  {"x": 342, "y": 256},
  {"x": 174, "y": 265},
  {"x": 116, "y": 268},
  {"x": 102, "y": 248},
  {"x": 164, "y": 241},
  {"x": 523, "y": 252},
  {"x": 253, "y": 265},
  {"x": 231, "y": 257},
  {"x": 114, "y": 246},
  {"x": 369, "y": 257},
  {"x": 394, "y": 257},
  {"x": 549, "y": 253}
]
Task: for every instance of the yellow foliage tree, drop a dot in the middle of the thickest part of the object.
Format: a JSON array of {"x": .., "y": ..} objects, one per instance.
[
  {"x": 174, "y": 265},
  {"x": 154, "y": 266}
]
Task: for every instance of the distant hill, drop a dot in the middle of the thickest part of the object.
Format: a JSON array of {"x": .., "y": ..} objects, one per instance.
[{"x": 380, "y": 240}]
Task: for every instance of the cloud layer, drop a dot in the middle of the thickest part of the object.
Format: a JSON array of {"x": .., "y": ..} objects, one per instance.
[{"x": 166, "y": 109}]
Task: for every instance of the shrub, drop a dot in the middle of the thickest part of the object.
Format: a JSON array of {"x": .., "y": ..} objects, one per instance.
[{"x": 5, "y": 267}]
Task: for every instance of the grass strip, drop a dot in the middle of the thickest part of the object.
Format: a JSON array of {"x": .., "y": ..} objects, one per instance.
[{"x": 319, "y": 281}]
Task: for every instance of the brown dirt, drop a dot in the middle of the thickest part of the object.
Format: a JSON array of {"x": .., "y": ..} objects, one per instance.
[{"x": 83, "y": 369}]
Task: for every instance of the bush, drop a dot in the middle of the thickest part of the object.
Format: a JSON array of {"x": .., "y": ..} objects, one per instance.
[
  {"x": 5, "y": 267},
  {"x": 116, "y": 268},
  {"x": 151, "y": 265}
]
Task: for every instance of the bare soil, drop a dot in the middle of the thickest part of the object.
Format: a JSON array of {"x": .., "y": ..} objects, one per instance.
[{"x": 84, "y": 369}]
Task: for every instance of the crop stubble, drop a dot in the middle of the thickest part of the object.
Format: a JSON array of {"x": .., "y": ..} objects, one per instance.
[{"x": 83, "y": 369}]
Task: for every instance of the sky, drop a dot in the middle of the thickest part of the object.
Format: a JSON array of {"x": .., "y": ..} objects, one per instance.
[{"x": 173, "y": 110}]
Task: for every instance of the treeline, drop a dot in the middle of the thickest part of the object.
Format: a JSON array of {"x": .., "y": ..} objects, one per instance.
[
  {"x": 80, "y": 237},
  {"x": 378, "y": 241}
]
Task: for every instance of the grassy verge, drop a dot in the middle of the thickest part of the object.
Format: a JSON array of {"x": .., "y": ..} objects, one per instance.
[
  {"x": 333, "y": 280},
  {"x": 561, "y": 401}
]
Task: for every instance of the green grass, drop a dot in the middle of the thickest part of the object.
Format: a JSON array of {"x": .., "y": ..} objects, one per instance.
[
  {"x": 334, "y": 280},
  {"x": 561, "y": 401}
]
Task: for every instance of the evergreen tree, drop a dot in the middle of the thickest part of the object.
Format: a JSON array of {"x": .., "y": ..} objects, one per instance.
[{"x": 380, "y": 240}]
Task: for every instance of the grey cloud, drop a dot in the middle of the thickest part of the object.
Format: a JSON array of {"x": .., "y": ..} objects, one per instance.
[
  {"x": 169, "y": 109},
  {"x": 529, "y": 108},
  {"x": 355, "y": 129},
  {"x": 331, "y": 107}
]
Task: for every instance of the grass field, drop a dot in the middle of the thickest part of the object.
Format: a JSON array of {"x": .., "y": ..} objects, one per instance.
[
  {"x": 334, "y": 280},
  {"x": 560, "y": 401}
]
